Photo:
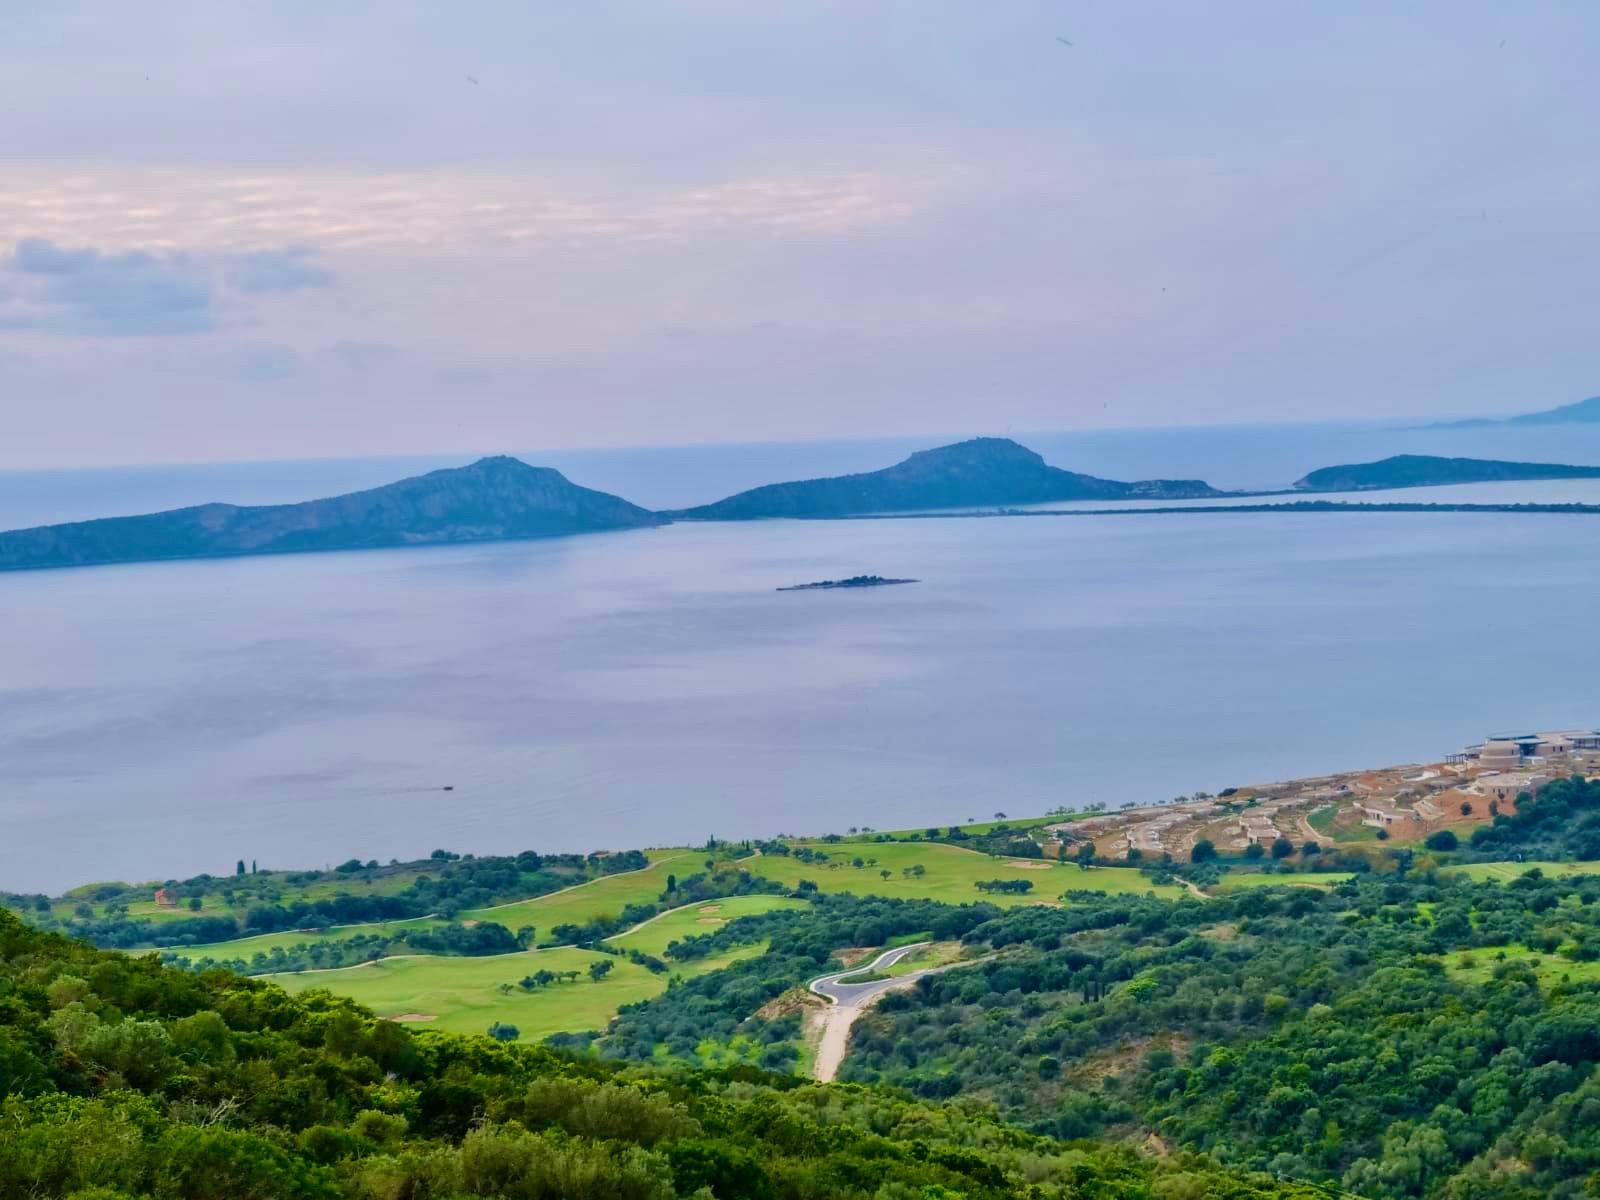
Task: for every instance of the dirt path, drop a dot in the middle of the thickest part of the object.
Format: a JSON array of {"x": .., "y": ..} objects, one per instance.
[{"x": 1304, "y": 819}]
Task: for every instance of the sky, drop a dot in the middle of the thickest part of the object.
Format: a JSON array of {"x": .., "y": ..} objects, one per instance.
[{"x": 237, "y": 232}]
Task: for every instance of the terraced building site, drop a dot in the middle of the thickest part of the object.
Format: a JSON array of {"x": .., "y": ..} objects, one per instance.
[{"x": 1195, "y": 977}]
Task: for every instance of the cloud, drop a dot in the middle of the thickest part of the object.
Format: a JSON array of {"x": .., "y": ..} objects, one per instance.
[
  {"x": 86, "y": 292},
  {"x": 286, "y": 270},
  {"x": 254, "y": 217},
  {"x": 362, "y": 356},
  {"x": 90, "y": 292}
]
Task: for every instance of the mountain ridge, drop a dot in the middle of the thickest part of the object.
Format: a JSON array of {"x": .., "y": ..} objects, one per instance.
[
  {"x": 977, "y": 472},
  {"x": 493, "y": 499}
]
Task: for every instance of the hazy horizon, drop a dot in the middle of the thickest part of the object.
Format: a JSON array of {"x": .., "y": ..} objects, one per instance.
[{"x": 231, "y": 235}]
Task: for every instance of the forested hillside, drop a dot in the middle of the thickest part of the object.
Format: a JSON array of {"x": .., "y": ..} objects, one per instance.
[
  {"x": 1403, "y": 1034},
  {"x": 122, "y": 1078}
]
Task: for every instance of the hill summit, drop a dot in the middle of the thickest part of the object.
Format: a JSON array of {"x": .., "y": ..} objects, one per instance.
[
  {"x": 982, "y": 472},
  {"x": 492, "y": 499}
]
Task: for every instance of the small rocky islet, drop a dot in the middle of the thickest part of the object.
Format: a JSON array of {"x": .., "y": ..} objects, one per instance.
[{"x": 855, "y": 581}]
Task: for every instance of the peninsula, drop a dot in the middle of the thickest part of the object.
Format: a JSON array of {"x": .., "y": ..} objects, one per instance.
[
  {"x": 1423, "y": 470},
  {"x": 493, "y": 499},
  {"x": 979, "y": 472},
  {"x": 855, "y": 581}
]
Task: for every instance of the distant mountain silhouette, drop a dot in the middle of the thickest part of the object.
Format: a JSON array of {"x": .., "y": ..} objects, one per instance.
[
  {"x": 492, "y": 499},
  {"x": 983, "y": 472},
  {"x": 1584, "y": 412},
  {"x": 1423, "y": 470}
]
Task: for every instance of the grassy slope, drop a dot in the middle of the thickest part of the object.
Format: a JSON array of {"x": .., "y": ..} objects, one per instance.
[
  {"x": 385, "y": 881},
  {"x": 1549, "y": 968},
  {"x": 653, "y": 937},
  {"x": 1019, "y": 824},
  {"x": 604, "y": 897},
  {"x": 463, "y": 993},
  {"x": 1504, "y": 872},
  {"x": 264, "y": 943},
  {"x": 951, "y": 875},
  {"x": 1232, "y": 880}
]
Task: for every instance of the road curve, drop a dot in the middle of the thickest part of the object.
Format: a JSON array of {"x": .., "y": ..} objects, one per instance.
[
  {"x": 853, "y": 995},
  {"x": 848, "y": 1000}
]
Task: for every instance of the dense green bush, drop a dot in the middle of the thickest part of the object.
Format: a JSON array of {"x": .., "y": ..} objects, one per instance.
[{"x": 122, "y": 1079}]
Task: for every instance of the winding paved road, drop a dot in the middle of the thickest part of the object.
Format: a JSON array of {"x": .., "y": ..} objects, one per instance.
[
  {"x": 854, "y": 995},
  {"x": 848, "y": 1000}
]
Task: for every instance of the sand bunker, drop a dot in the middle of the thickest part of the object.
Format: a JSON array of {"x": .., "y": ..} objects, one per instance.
[
  {"x": 711, "y": 908},
  {"x": 408, "y": 1017},
  {"x": 712, "y": 921},
  {"x": 1029, "y": 865}
]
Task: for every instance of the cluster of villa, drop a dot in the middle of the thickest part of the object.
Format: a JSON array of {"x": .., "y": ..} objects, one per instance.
[{"x": 1404, "y": 802}]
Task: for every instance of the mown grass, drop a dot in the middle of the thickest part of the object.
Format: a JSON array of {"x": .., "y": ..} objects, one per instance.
[
  {"x": 603, "y": 897},
  {"x": 978, "y": 828},
  {"x": 951, "y": 873},
  {"x": 265, "y": 943},
  {"x": 463, "y": 995},
  {"x": 653, "y": 937},
  {"x": 1317, "y": 879},
  {"x": 1478, "y": 965},
  {"x": 1505, "y": 872}
]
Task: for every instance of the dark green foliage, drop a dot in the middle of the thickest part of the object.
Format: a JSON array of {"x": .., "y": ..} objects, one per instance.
[
  {"x": 450, "y": 885},
  {"x": 121, "y": 1079},
  {"x": 1442, "y": 840},
  {"x": 1562, "y": 821},
  {"x": 1310, "y": 1033},
  {"x": 1014, "y": 886}
]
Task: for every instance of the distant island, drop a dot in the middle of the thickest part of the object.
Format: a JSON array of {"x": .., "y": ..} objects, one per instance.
[
  {"x": 855, "y": 581},
  {"x": 1422, "y": 470},
  {"x": 1584, "y": 412},
  {"x": 983, "y": 472},
  {"x": 503, "y": 499},
  {"x": 492, "y": 499}
]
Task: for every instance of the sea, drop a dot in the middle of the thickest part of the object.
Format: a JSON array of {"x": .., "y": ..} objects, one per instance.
[{"x": 652, "y": 687}]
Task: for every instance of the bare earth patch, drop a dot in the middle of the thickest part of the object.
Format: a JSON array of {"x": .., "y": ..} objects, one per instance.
[
  {"x": 1124, "y": 1057},
  {"x": 712, "y": 921},
  {"x": 410, "y": 1017},
  {"x": 851, "y": 955},
  {"x": 1029, "y": 865},
  {"x": 469, "y": 924},
  {"x": 710, "y": 908},
  {"x": 796, "y": 999}
]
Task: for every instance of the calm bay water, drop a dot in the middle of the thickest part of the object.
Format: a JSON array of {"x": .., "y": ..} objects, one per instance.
[{"x": 650, "y": 686}]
